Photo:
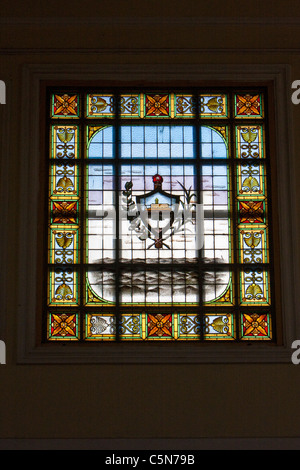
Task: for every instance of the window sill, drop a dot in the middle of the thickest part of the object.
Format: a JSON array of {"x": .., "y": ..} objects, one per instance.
[{"x": 157, "y": 354}]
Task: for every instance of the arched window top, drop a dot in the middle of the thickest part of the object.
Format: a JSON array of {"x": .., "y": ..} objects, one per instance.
[{"x": 158, "y": 141}]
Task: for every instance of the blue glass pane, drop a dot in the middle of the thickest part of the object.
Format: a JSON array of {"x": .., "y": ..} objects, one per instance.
[
  {"x": 161, "y": 141},
  {"x": 157, "y": 142},
  {"x": 102, "y": 144},
  {"x": 212, "y": 144}
]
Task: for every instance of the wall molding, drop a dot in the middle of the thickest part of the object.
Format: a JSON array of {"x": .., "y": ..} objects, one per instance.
[
  {"x": 109, "y": 446},
  {"x": 5, "y": 115},
  {"x": 143, "y": 51},
  {"x": 28, "y": 350},
  {"x": 146, "y": 20}
]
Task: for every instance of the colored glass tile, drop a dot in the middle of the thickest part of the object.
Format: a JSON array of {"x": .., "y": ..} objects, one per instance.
[
  {"x": 157, "y": 105},
  {"x": 256, "y": 326},
  {"x": 63, "y": 286},
  {"x": 64, "y": 143},
  {"x": 65, "y": 106},
  {"x": 63, "y": 326},
  {"x": 249, "y": 142},
  {"x": 159, "y": 325},
  {"x": 254, "y": 287},
  {"x": 249, "y": 105},
  {"x": 185, "y": 106},
  {"x": 64, "y": 171},
  {"x": 130, "y": 106},
  {"x": 253, "y": 246},
  {"x": 64, "y": 212},
  {"x": 63, "y": 246},
  {"x": 102, "y": 327},
  {"x": 252, "y": 212},
  {"x": 102, "y": 106},
  {"x": 189, "y": 326},
  {"x": 219, "y": 327},
  {"x": 251, "y": 180},
  {"x": 212, "y": 106}
]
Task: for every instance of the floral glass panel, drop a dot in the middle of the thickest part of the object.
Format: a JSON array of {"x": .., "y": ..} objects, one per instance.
[
  {"x": 248, "y": 105},
  {"x": 65, "y": 106}
]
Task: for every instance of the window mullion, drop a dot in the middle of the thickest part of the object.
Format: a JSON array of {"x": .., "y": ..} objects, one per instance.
[
  {"x": 199, "y": 172},
  {"x": 117, "y": 143}
]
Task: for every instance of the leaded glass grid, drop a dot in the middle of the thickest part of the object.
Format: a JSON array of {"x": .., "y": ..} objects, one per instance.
[{"x": 158, "y": 225}]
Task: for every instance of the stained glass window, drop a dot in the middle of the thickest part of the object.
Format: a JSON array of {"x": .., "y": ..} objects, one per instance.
[{"x": 158, "y": 224}]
